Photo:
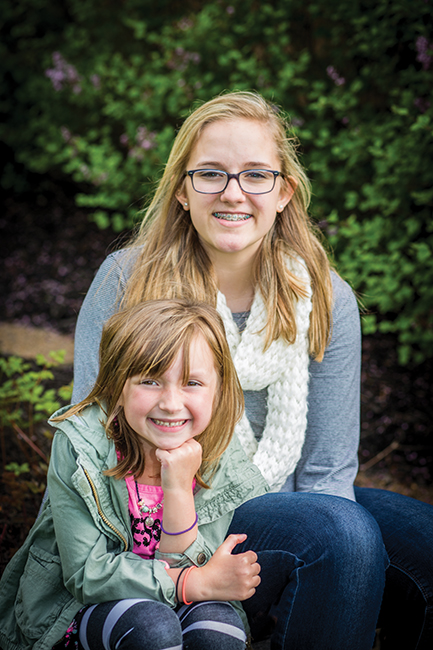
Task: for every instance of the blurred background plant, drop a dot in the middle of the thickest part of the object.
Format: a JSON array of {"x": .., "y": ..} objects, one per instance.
[
  {"x": 94, "y": 92},
  {"x": 26, "y": 401}
]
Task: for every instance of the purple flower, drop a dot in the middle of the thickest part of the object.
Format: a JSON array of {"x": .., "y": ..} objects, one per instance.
[
  {"x": 56, "y": 78},
  {"x": 181, "y": 58},
  {"x": 230, "y": 10},
  {"x": 96, "y": 81},
  {"x": 66, "y": 134},
  {"x": 422, "y": 104},
  {"x": 423, "y": 46},
  {"x": 144, "y": 139},
  {"x": 185, "y": 24},
  {"x": 63, "y": 74},
  {"x": 332, "y": 72}
]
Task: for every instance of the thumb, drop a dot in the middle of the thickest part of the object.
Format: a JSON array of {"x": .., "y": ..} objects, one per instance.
[
  {"x": 231, "y": 541},
  {"x": 162, "y": 455}
]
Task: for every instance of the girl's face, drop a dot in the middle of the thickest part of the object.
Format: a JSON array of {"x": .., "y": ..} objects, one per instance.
[
  {"x": 233, "y": 222},
  {"x": 165, "y": 411}
]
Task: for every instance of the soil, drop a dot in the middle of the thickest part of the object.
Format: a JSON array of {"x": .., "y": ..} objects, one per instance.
[{"x": 51, "y": 252}]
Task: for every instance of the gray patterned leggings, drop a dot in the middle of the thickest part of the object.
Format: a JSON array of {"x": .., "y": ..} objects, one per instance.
[{"x": 139, "y": 624}]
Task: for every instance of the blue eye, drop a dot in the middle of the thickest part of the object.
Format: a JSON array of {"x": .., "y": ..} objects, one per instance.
[
  {"x": 256, "y": 176},
  {"x": 210, "y": 175}
]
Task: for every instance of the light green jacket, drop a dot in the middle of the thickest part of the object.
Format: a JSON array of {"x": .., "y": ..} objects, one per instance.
[{"x": 79, "y": 551}]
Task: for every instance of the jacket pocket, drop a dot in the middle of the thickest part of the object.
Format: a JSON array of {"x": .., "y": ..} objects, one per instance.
[{"x": 41, "y": 594}]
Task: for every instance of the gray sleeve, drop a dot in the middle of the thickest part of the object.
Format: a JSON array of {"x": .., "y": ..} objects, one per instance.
[
  {"x": 100, "y": 303},
  {"x": 329, "y": 460}
]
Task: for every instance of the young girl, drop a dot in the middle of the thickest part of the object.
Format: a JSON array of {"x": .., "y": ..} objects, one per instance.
[
  {"x": 129, "y": 551},
  {"x": 229, "y": 224}
]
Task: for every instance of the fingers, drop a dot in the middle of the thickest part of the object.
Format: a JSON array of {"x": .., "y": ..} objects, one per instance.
[
  {"x": 232, "y": 576},
  {"x": 161, "y": 455},
  {"x": 179, "y": 465},
  {"x": 189, "y": 450},
  {"x": 232, "y": 541},
  {"x": 186, "y": 454},
  {"x": 246, "y": 574}
]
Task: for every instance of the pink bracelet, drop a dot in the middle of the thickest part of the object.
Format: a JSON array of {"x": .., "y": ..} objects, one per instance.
[
  {"x": 182, "y": 531},
  {"x": 177, "y": 583},
  {"x": 185, "y": 601}
]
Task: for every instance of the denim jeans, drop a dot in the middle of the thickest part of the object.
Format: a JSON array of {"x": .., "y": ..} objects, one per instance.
[
  {"x": 323, "y": 566},
  {"x": 406, "y": 617}
]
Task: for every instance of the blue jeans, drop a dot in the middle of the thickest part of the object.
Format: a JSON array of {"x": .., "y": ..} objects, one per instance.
[
  {"x": 406, "y": 616},
  {"x": 323, "y": 568},
  {"x": 323, "y": 565}
]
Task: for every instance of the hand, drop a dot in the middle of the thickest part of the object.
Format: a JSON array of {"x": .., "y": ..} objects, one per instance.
[
  {"x": 225, "y": 576},
  {"x": 179, "y": 466}
]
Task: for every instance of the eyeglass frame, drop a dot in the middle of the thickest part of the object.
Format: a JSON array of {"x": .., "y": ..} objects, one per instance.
[{"x": 236, "y": 176}]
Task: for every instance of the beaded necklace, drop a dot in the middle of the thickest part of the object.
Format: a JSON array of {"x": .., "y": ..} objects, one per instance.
[{"x": 149, "y": 520}]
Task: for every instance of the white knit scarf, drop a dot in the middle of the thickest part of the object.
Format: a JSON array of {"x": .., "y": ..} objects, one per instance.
[{"x": 283, "y": 369}]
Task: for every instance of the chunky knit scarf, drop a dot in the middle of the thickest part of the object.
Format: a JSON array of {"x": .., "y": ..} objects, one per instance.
[{"x": 283, "y": 369}]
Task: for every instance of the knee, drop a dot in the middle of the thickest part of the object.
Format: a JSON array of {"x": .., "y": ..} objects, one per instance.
[
  {"x": 346, "y": 529},
  {"x": 212, "y": 625},
  {"x": 151, "y": 625}
]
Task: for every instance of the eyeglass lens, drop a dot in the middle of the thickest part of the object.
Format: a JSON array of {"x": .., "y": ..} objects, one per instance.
[{"x": 253, "y": 181}]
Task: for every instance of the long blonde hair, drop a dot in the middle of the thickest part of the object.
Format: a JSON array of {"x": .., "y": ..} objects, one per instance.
[
  {"x": 171, "y": 262},
  {"x": 145, "y": 339}
]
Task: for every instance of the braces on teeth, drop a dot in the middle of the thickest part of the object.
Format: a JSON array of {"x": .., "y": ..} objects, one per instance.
[{"x": 231, "y": 217}]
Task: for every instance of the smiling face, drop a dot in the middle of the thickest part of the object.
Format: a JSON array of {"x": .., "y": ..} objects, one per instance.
[
  {"x": 164, "y": 410},
  {"x": 233, "y": 222}
]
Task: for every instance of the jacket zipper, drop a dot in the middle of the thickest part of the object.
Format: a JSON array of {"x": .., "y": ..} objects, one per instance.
[{"x": 101, "y": 514}]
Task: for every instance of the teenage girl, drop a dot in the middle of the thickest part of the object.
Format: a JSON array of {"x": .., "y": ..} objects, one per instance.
[
  {"x": 130, "y": 549},
  {"x": 229, "y": 225}
]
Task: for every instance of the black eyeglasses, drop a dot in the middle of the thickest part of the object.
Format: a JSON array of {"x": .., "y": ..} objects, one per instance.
[{"x": 215, "y": 181}]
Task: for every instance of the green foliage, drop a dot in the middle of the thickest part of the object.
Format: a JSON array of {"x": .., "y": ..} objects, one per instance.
[
  {"x": 18, "y": 469},
  {"x": 25, "y": 440},
  {"x": 24, "y": 400},
  {"x": 25, "y": 404},
  {"x": 95, "y": 91}
]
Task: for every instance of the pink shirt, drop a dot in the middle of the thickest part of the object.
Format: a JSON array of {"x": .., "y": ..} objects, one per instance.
[{"x": 146, "y": 535}]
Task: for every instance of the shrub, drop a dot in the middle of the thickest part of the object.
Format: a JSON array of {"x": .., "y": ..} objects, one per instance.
[
  {"x": 25, "y": 404},
  {"x": 95, "y": 91}
]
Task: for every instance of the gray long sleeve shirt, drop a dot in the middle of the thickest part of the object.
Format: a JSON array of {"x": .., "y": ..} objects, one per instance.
[{"x": 329, "y": 461}]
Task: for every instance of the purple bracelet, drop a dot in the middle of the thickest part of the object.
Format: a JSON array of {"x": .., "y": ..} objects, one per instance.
[{"x": 182, "y": 531}]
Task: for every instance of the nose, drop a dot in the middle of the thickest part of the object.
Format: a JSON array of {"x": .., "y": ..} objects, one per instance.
[
  {"x": 171, "y": 400},
  {"x": 233, "y": 192}
]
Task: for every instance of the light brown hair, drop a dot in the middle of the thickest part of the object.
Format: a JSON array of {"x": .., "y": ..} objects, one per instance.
[
  {"x": 169, "y": 259},
  {"x": 145, "y": 339}
]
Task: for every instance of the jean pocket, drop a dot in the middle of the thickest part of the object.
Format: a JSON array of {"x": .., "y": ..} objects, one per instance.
[{"x": 41, "y": 594}]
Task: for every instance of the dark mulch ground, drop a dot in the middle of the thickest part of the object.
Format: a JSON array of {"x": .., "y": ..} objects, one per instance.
[{"x": 50, "y": 254}]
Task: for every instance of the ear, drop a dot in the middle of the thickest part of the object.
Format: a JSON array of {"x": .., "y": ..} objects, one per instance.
[
  {"x": 182, "y": 198},
  {"x": 287, "y": 190}
]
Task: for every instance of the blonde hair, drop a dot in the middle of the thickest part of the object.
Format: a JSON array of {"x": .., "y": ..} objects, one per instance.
[
  {"x": 145, "y": 339},
  {"x": 172, "y": 262}
]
